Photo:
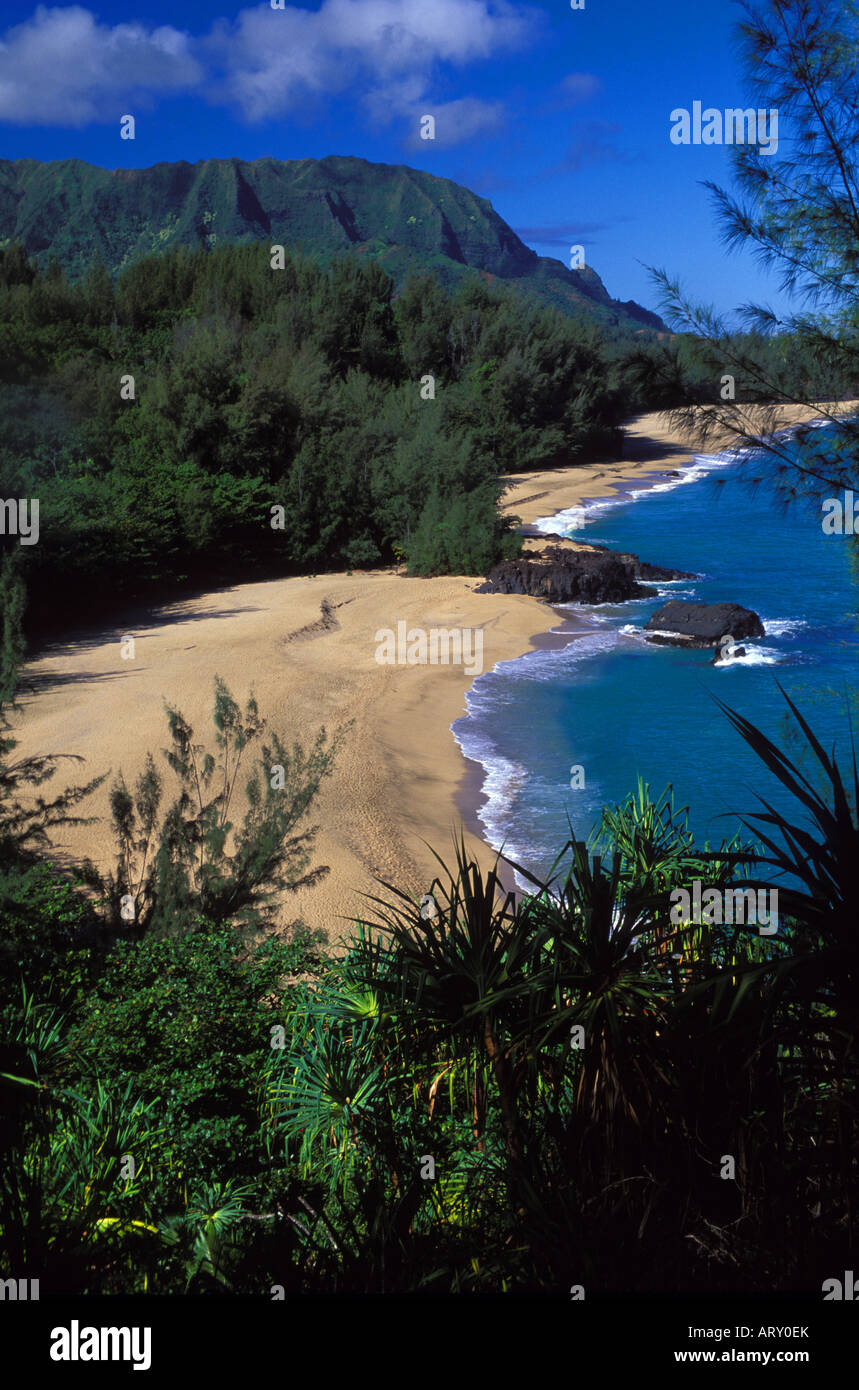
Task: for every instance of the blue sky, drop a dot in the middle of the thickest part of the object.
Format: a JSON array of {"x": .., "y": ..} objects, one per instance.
[{"x": 560, "y": 117}]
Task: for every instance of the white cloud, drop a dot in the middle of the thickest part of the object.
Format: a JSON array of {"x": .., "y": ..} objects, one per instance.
[
  {"x": 64, "y": 68},
  {"x": 273, "y": 60},
  {"x": 456, "y": 122}
]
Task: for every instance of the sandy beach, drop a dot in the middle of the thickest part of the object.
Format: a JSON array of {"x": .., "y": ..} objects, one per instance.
[{"x": 400, "y": 780}]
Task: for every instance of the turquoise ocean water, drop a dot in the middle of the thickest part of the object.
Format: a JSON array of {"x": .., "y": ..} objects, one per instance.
[{"x": 621, "y": 708}]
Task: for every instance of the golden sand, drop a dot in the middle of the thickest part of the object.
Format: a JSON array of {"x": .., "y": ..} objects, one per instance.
[{"x": 397, "y": 781}]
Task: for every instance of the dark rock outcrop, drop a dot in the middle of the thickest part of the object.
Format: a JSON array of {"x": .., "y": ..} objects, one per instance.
[
  {"x": 584, "y": 575},
  {"x": 701, "y": 624}
]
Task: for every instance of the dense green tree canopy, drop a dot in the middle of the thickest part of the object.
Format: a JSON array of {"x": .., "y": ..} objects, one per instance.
[{"x": 306, "y": 388}]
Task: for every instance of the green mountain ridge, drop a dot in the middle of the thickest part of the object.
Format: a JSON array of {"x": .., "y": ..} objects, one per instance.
[{"x": 406, "y": 219}]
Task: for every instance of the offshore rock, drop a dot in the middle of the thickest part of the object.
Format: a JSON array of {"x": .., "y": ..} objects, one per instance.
[{"x": 701, "y": 624}]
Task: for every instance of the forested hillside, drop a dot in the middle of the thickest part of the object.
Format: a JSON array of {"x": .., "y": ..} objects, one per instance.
[
  {"x": 303, "y": 388},
  {"x": 407, "y": 220}
]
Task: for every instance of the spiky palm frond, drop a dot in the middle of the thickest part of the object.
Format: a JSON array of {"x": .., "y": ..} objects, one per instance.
[
  {"x": 204, "y": 1231},
  {"x": 324, "y": 1095},
  {"x": 821, "y": 855}
]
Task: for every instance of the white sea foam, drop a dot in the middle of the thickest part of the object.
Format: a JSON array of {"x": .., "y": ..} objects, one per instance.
[
  {"x": 578, "y": 517},
  {"x": 503, "y": 826},
  {"x": 700, "y": 467},
  {"x": 545, "y": 664},
  {"x": 503, "y": 778},
  {"x": 755, "y": 656},
  {"x": 587, "y": 646},
  {"x": 664, "y": 592},
  {"x": 783, "y": 627},
  {"x": 570, "y": 519},
  {"x": 589, "y": 612},
  {"x": 502, "y": 781}
]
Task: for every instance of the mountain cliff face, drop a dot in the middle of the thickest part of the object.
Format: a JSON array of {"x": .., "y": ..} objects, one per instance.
[{"x": 407, "y": 220}]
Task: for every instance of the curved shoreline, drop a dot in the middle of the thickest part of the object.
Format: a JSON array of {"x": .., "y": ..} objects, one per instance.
[
  {"x": 661, "y": 457},
  {"x": 394, "y": 789},
  {"x": 474, "y": 794},
  {"x": 401, "y": 783}
]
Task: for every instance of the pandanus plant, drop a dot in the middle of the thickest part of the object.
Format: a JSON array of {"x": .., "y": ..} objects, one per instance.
[
  {"x": 463, "y": 975},
  {"x": 65, "y": 1200},
  {"x": 817, "y": 864},
  {"x": 658, "y": 853},
  {"x": 815, "y": 994},
  {"x": 603, "y": 987},
  {"x": 324, "y": 1093}
]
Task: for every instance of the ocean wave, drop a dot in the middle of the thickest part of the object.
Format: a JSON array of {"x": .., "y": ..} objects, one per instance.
[
  {"x": 589, "y": 612},
  {"x": 586, "y": 646},
  {"x": 503, "y": 779},
  {"x": 700, "y": 467},
  {"x": 663, "y": 590},
  {"x": 570, "y": 519},
  {"x": 578, "y": 517},
  {"x": 803, "y": 425},
  {"x": 755, "y": 656},
  {"x": 783, "y": 627},
  {"x": 545, "y": 664}
]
